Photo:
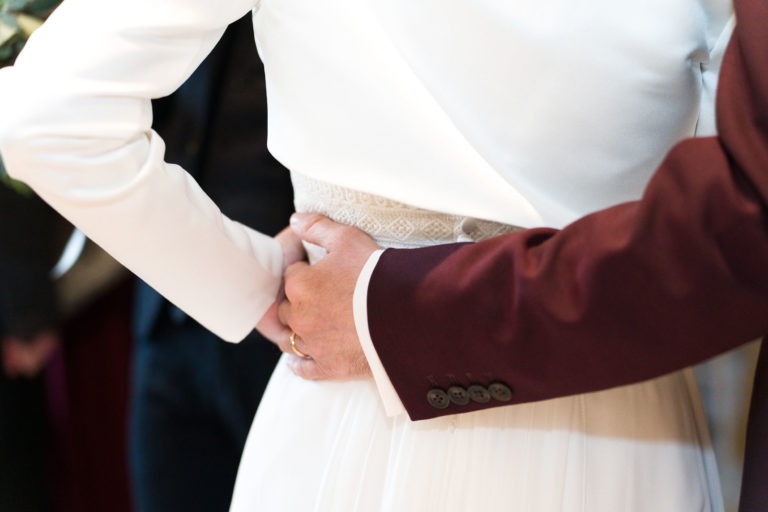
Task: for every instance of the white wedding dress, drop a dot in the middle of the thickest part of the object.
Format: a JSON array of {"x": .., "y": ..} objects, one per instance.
[
  {"x": 328, "y": 446},
  {"x": 567, "y": 141},
  {"x": 495, "y": 112}
]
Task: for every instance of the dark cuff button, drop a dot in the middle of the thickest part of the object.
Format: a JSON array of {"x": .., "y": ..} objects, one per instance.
[
  {"x": 500, "y": 392},
  {"x": 458, "y": 395},
  {"x": 438, "y": 398},
  {"x": 479, "y": 394}
]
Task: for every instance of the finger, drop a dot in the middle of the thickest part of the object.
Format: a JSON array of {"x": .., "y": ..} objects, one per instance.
[
  {"x": 293, "y": 282},
  {"x": 305, "y": 368},
  {"x": 294, "y": 268},
  {"x": 283, "y": 342},
  {"x": 316, "y": 229},
  {"x": 295, "y": 340},
  {"x": 284, "y": 313},
  {"x": 270, "y": 326},
  {"x": 293, "y": 250}
]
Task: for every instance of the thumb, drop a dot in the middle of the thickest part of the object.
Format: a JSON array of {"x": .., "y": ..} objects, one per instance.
[
  {"x": 315, "y": 228},
  {"x": 290, "y": 243}
]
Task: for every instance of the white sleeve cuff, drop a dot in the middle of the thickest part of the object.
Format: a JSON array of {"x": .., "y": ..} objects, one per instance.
[{"x": 391, "y": 401}]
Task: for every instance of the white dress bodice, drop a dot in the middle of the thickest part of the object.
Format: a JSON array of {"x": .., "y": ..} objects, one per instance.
[{"x": 530, "y": 113}]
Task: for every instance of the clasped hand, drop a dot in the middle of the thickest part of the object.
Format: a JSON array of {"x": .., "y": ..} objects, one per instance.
[
  {"x": 316, "y": 304},
  {"x": 27, "y": 357}
]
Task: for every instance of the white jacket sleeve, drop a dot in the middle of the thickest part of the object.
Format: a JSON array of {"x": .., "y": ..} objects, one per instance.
[{"x": 75, "y": 119}]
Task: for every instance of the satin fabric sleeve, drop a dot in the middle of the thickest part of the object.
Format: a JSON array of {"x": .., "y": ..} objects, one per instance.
[
  {"x": 621, "y": 295},
  {"x": 76, "y": 126}
]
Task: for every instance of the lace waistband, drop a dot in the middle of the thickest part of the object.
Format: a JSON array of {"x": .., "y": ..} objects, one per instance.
[{"x": 388, "y": 222}]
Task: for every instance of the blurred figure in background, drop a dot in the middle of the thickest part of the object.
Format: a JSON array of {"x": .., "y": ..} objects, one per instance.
[
  {"x": 194, "y": 396},
  {"x": 29, "y": 333},
  {"x": 28, "y": 316}
]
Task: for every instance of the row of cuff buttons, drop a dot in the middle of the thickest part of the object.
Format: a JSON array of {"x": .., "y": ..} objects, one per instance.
[{"x": 440, "y": 399}]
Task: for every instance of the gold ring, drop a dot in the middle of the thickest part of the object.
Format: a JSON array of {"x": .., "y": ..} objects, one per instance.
[{"x": 295, "y": 349}]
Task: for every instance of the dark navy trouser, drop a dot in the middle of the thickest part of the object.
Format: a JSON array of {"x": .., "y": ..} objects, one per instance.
[{"x": 194, "y": 397}]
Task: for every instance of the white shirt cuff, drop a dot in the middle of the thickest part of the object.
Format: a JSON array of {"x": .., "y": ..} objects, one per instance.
[{"x": 391, "y": 401}]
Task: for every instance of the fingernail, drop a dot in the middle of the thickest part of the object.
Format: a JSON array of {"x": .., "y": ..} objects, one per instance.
[{"x": 298, "y": 221}]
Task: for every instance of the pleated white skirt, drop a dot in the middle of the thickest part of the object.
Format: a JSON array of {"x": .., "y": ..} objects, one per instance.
[{"x": 327, "y": 446}]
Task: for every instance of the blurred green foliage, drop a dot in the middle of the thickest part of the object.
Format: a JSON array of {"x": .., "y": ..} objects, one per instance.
[{"x": 18, "y": 19}]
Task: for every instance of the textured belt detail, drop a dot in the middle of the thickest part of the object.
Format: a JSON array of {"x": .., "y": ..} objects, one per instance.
[{"x": 390, "y": 223}]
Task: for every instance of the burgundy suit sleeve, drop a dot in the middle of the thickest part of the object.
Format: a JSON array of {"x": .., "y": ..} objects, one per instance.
[{"x": 622, "y": 295}]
